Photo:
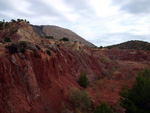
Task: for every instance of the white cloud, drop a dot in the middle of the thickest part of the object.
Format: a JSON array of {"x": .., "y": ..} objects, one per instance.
[{"x": 103, "y": 22}]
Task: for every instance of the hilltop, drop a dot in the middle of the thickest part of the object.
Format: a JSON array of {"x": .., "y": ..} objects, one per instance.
[
  {"x": 59, "y": 32},
  {"x": 134, "y": 44}
]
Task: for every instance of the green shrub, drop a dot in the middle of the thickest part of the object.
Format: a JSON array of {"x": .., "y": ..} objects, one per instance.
[
  {"x": 13, "y": 31},
  {"x": 137, "y": 99},
  {"x": 65, "y": 39},
  {"x": 83, "y": 80},
  {"x": 23, "y": 44},
  {"x": 12, "y": 20},
  {"x": 12, "y": 48},
  {"x": 1, "y": 24},
  {"x": 38, "y": 47},
  {"x": 102, "y": 108},
  {"x": 7, "y": 39},
  {"x": 79, "y": 99},
  {"x": 6, "y": 24},
  {"x": 48, "y": 52},
  {"x": 22, "y": 50},
  {"x": 49, "y": 37}
]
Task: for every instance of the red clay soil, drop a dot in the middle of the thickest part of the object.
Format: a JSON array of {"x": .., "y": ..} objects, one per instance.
[
  {"x": 38, "y": 83},
  {"x": 35, "y": 82},
  {"x": 127, "y": 54}
]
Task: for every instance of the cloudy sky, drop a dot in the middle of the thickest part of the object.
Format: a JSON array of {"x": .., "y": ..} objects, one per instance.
[{"x": 102, "y": 22}]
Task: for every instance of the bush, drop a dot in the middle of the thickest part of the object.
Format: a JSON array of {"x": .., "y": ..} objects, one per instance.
[
  {"x": 65, "y": 39},
  {"x": 1, "y": 24},
  {"x": 83, "y": 80},
  {"x": 49, "y": 37},
  {"x": 23, "y": 44},
  {"x": 13, "y": 31},
  {"x": 48, "y": 52},
  {"x": 102, "y": 108},
  {"x": 7, "y": 24},
  {"x": 137, "y": 99},
  {"x": 12, "y": 20},
  {"x": 22, "y": 50},
  {"x": 7, "y": 39},
  {"x": 79, "y": 99},
  {"x": 12, "y": 48}
]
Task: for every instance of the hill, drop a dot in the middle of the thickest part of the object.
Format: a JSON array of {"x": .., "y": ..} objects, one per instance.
[
  {"x": 37, "y": 74},
  {"x": 59, "y": 33},
  {"x": 134, "y": 44}
]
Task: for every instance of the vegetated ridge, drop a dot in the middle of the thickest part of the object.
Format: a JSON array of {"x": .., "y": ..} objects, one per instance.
[
  {"x": 134, "y": 44},
  {"x": 59, "y": 33}
]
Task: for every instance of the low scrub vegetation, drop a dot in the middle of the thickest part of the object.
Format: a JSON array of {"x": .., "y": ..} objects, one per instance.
[
  {"x": 7, "y": 39},
  {"x": 102, "y": 108},
  {"x": 79, "y": 100},
  {"x": 48, "y": 52},
  {"x": 64, "y": 39},
  {"x": 13, "y": 48}
]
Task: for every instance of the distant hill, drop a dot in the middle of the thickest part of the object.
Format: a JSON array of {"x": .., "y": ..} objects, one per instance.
[
  {"x": 59, "y": 33},
  {"x": 134, "y": 44}
]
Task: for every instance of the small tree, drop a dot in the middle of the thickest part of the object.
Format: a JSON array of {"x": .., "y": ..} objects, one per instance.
[
  {"x": 137, "y": 99},
  {"x": 83, "y": 80},
  {"x": 102, "y": 108}
]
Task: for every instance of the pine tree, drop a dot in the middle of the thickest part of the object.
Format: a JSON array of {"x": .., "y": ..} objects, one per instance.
[{"x": 83, "y": 80}]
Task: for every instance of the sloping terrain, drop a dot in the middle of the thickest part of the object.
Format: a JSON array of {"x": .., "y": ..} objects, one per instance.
[
  {"x": 38, "y": 79},
  {"x": 59, "y": 33}
]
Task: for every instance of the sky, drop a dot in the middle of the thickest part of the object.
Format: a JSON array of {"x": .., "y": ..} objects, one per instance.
[{"x": 102, "y": 22}]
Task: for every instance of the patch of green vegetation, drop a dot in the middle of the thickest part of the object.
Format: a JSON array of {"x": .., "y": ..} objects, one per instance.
[
  {"x": 12, "y": 20},
  {"x": 64, "y": 39},
  {"x": 137, "y": 99},
  {"x": 133, "y": 44},
  {"x": 48, "y": 52},
  {"x": 7, "y": 39},
  {"x": 12, "y": 48},
  {"x": 23, "y": 43},
  {"x": 7, "y": 24},
  {"x": 13, "y": 31},
  {"x": 22, "y": 50},
  {"x": 1, "y": 24},
  {"x": 83, "y": 80},
  {"x": 102, "y": 108},
  {"x": 49, "y": 37}
]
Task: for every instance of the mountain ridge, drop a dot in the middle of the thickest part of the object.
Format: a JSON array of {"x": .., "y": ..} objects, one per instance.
[{"x": 133, "y": 44}]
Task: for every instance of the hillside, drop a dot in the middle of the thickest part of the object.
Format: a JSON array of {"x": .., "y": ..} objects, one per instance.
[
  {"x": 37, "y": 74},
  {"x": 59, "y": 33},
  {"x": 139, "y": 45}
]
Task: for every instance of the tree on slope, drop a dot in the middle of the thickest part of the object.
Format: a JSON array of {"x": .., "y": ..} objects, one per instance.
[{"x": 137, "y": 99}]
